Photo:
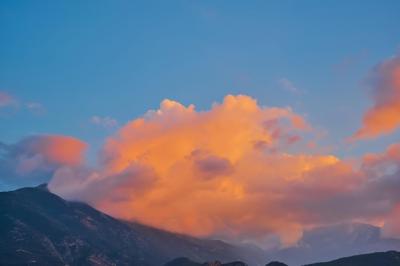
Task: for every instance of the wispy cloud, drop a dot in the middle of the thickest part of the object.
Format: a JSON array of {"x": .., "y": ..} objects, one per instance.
[
  {"x": 105, "y": 121},
  {"x": 7, "y": 100},
  {"x": 35, "y": 107},
  {"x": 349, "y": 63},
  {"x": 288, "y": 85},
  {"x": 10, "y": 101}
]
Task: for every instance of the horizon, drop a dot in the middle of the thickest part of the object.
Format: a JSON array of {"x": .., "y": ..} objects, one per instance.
[{"x": 250, "y": 123}]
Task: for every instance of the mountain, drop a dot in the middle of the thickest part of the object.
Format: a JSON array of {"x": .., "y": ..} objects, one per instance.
[
  {"x": 182, "y": 262},
  {"x": 389, "y": 258},
  {"x": 331, "y": 242},
  {"x": 276, "y": 263},
  {"x": 187, "y": 262},
  {"x": 38, "y": 227}
]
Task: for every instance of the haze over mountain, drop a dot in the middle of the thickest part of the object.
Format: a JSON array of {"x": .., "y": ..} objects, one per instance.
[
  {"x": 40, "y": 227},
  {"x": 332, "y": 242}
]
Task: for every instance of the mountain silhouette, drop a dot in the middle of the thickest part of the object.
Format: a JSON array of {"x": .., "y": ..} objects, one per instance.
[
  {"x": 389, "y": 258},
  {"x": 38, "y": 227}
]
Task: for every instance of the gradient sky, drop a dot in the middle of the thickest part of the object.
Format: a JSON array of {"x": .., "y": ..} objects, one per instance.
[{"x": 79, "y": 75}]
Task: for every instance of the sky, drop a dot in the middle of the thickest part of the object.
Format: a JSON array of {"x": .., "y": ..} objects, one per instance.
[{"x": 107, "y": 98}]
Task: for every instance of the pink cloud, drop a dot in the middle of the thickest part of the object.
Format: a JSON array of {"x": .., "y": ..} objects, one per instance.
[
  {"x": 384, "y": 116},
  {"x": 34, "y": 159},
  {"x": 41, "y": 151},
  {"x": 6, "y": 99}
]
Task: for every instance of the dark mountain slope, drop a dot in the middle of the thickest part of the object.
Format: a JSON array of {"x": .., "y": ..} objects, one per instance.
[
  {"x": 38, "y": 227},
  {"x": 389, "y": 258}
]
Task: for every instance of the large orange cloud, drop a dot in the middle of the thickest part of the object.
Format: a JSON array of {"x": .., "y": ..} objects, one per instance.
[
  {"x": 174, "y": 131},
  {"x": 384, "y": 116},
  {"x": 232, "y": 172}
]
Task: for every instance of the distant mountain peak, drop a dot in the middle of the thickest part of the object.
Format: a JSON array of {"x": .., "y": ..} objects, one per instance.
[
  {"x": 389, "y": 258},
  {"x": 276, "y": 263}
]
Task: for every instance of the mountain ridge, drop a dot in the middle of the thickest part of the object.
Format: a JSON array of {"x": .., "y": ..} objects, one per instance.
[
  {"x": 388, "y": 258},
  {"x": 40, "y": 227}
]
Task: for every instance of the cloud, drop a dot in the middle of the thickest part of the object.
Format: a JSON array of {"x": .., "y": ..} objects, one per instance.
[
  {"x": 34, "y": 159},
  {"x": 288, "y": 85},
  {"x": 6, "y": 100},
  {"x": 9, "y": 101},
  {"x": 384, "y": 116},
  {"x": 350, "y": 62},
  {"x": 221, "y": 172},
  {"x": 210, "y": 166},
  {"x": 238, "y": 171},
  {"x": 106, "y": 121},
  {"x": 35, "y": 107}
]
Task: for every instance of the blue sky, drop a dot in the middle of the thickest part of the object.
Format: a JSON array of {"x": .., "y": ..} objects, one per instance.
[{"x": 119, "y": 59}]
